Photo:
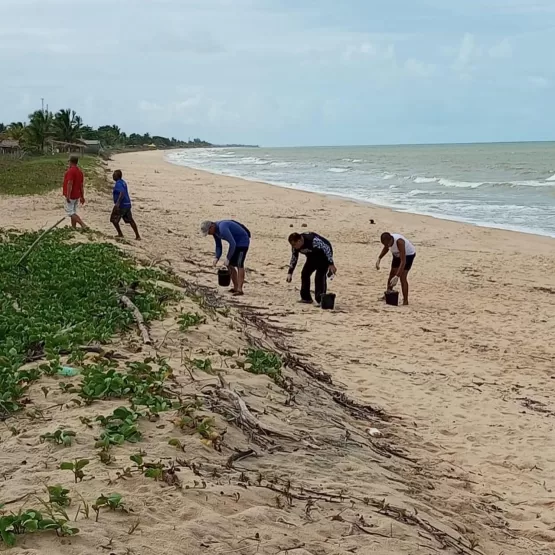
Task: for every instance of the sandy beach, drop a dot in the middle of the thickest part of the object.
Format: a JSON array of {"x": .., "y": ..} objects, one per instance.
[{"x": 466, "y": 372}]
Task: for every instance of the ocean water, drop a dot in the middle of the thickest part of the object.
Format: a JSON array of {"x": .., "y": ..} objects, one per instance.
[{"x": 505, "y": 185}]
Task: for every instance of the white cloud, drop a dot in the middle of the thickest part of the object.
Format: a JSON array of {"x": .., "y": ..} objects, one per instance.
[
  {"x": 539, "y": 82},
  {"x": 418, "y": 68},
  {"x": 502, "y": 49},
  {"x": 467, "y": 51}
]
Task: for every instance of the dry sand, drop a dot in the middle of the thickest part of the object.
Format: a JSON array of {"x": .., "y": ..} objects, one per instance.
[{"x": 466, "y": 374}]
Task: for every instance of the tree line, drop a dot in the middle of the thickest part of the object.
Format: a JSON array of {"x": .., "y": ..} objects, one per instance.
[{"x": 66, "y": 126}]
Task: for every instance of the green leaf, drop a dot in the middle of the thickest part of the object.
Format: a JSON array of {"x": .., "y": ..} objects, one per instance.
[
  {"x": 79, "y": 465},
  {"x": 8, "y": 537},
  {"x": 31, "y": 525},
  {"x": 66, "y": 466},
  {"x": 137, "y": 459}
]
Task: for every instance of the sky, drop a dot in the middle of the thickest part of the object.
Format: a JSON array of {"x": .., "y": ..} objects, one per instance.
[{"x": 287, "y": 72}]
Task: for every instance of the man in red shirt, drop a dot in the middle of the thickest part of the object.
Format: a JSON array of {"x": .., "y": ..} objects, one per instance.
[{"x": 74, "y": 191}]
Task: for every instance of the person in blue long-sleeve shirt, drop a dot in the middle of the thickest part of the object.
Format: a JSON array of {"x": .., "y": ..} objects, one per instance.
[{"x": 239, "y": 238}]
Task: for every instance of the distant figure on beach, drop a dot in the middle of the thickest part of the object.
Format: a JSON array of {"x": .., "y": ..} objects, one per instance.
[
  {"x": 319, "y": 259},
  {"x": 122, "y": 205},
  {"x": 404, "y": 253},
  {"x": 239, "y": 239},
  {"x": 74, "y": 191}
]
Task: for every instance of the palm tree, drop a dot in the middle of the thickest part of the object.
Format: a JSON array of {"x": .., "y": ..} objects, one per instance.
[
  {"x": 109, "y": 135},
  {"x": 39, "y": 129},
  {"x": 87, "y": 132},
  {"x": 16, "y": 130},
  {"x": 67, "y": 126}
]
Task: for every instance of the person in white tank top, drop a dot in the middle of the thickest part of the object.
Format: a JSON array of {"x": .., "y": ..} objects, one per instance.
[{"x": 404, "y": 253}]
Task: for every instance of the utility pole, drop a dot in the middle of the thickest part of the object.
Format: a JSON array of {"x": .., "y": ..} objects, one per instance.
[{"x": 42, "y": 105}]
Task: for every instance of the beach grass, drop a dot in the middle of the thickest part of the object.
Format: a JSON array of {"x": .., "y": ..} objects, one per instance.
[{"x": 42, "y": 174}]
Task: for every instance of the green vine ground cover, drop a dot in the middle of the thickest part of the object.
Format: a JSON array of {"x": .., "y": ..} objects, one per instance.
[{"x": 65, "y": 295}]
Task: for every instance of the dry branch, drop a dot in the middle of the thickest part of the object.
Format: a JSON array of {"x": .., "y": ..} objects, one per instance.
[
  {"x": 37, "y": 241},
  {"x": 138, "y": 318},
  {"x": 246, "y": 418},
  {"x": 239, "y": 456}
]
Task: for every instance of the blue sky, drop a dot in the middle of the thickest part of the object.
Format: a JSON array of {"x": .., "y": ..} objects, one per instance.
[{"x": 287, "y": 72}]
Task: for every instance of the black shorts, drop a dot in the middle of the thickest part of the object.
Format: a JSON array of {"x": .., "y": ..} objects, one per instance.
[
  {"x": 124, "y": 214},
  {"x": 396, "y": 262},
  {"x": 238, "y": 258}
]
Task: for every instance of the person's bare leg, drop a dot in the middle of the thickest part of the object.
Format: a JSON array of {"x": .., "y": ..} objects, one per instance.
[
  {"x": 118, "y": 229},
  {"x": 233, "y": 271},
  {"x": 135, "y": 229},
  {"x": 405, "y": 288},
  {"x": 240, "y": 279},
  {"x": 76, "y": 219}
]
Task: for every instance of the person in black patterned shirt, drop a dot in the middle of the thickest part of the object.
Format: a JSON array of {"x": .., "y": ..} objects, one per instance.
[{"x": 319, "y": 258}]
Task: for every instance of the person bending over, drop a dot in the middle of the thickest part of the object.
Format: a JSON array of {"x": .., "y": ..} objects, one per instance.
[
  {"x": 122, "y": 205},
  {"x": 239, "y": 238},
  {"x": 319, "y": 259},
  {"x": 404, "y": 253}
]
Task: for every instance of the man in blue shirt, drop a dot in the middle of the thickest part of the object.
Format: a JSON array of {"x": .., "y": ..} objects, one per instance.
[
  {"x": 239, "y": 238},
  {"x": 122, "y": 205}
]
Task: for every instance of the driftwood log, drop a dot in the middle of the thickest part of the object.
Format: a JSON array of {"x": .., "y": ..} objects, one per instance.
[{"x": 138, "y": 317}]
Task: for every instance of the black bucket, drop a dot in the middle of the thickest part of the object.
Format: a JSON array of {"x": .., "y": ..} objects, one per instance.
[
  {"x": 224, "y": 277},
  {"x": 328, "y": 301},
  {"x": 392, "y": 298}
]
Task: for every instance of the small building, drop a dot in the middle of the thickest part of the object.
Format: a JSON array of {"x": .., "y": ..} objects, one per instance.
[
  {"x": 9, "y": 146},
  {"x": 59, "y": 147},
  {"x": 90, "y": 146}
]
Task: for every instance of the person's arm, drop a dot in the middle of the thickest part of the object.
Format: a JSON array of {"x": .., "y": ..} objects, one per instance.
[
  {"x": 218, "y": 254},
  {"x": 120, "y": 199},
  {"x": 69, "y": 187},
  {"x": 226, "y": 235},
  {"x": 292, "y": 263},
  {"x": 385, "y": 250},
  {"x": 402, "y": 255},
  {"x": 82, "y": 199}
]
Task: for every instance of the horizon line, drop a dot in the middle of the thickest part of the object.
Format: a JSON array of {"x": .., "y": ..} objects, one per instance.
[{"x": 470, "y": 143}]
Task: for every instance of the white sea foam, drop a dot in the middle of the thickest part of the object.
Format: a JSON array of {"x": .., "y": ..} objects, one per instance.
[
  {"x": 455, "y": 196},
  {"x": 250, "y": 160},
  {"x": 531, "y": 183},
  {"x": 416, "y": 192},
  {"x": 463, "y": 184}
]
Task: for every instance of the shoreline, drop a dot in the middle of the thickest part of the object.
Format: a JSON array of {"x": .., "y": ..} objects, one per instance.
[
  {"x": 333, "y": 196},
  {"x": 286, "y": 186}
]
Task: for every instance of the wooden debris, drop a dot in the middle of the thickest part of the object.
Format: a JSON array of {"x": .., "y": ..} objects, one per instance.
[
  {"x": 37, "y": 241},
  {"x": 138, "y": 318}
]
